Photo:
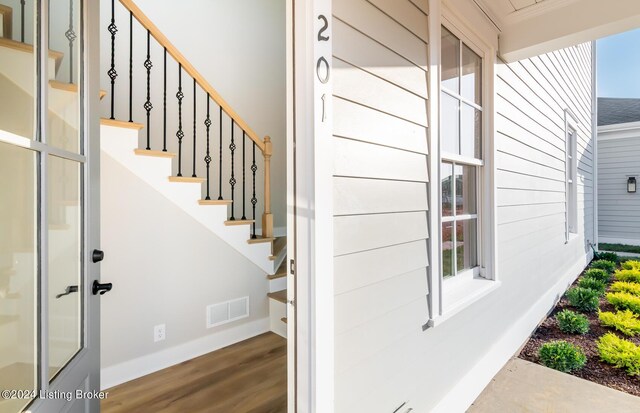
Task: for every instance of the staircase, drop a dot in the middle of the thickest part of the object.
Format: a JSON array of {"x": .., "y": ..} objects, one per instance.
[{"x": 193, "y": 181}]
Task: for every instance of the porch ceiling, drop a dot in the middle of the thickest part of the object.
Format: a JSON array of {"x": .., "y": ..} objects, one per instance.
[{"x": 532, "y": 27}]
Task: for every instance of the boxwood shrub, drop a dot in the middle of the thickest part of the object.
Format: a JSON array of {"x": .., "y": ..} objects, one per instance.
[
  {"x": 571, "y": 322},
  {"x": 562, "y": 356},
  {"x": 592, "y": 284},
  {"x": 619, "y": 352},
  {"x": 598, "y": 274},
  {"x": 631, "y": 265},
  {"x": 583, "y": 299},
  {"x": 609, "y": 266},
  {"x": 625, "y": 322},
  {"x": 608, "y": 256},
  {"x": 628, "y": 275}
]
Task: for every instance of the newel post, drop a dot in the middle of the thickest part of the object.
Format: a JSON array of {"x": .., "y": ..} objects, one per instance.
[{"x": 267, "y": 217}]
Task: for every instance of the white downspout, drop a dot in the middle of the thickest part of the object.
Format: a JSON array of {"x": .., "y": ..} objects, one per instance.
[{"x": 594, "y": 133}]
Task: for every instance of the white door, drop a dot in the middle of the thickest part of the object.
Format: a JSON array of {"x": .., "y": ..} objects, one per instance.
[{"x": 49, "y": 225}]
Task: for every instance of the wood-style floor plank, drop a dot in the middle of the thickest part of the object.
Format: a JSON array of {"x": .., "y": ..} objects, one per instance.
[{"x": 248, "y": 377}]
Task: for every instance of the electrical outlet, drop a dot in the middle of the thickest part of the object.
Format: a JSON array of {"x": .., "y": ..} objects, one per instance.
[{"x": 159, "y": 332}]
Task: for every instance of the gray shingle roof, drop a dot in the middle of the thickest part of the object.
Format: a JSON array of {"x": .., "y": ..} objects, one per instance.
[{"x": 612, "y": 111}]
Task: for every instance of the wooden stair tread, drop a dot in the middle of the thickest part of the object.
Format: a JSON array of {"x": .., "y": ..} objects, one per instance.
[
  {"x": 24, "y": 47},
  {"x": 157, "y": 154},
  {"x": 186, "y": 179},
  {"x": 215, "y": 202},
  {"x": 70, "y": 87},
  {"x": 234, "y": 222},
  {"x": 259, "y": 240},
  {"x": 280, "y": 296},
  {"x": 281, "y": 272},
  {"x": 121, "y": 124},
  {"x": 284, "y": 320}
]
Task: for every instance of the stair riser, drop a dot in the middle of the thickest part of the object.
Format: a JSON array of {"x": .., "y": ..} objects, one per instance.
[
  {"x": 278, "y": 284},
  {"x": 277, "y": 310}
]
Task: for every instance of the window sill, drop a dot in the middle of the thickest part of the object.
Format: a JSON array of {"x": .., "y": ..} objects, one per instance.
[{"x": 461, "y": 295}]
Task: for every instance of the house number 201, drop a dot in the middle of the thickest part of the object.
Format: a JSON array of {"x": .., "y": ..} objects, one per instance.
[{"x": 323, "y": 70}]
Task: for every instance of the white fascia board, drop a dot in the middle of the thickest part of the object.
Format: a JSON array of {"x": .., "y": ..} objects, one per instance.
[
  {"x": 556, "y": 27},
  {"x": 628, "y": 130}
]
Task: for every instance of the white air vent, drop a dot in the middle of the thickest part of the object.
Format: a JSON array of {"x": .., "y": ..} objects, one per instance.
[{"x": 223, "y": 313}]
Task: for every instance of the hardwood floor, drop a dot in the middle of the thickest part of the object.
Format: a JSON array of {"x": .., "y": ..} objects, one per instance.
[{"x": 248, "y": 377}]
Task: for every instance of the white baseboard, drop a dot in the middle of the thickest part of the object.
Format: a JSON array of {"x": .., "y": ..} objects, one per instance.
[
  {"x": 624, "y": 241},
  {"x": 150, "y": 363},
  {"x": 473, "y": 383}
]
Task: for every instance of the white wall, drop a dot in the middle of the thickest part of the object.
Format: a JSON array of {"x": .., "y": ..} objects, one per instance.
[
  {"x": 239, "y": 47},
  {"x": 165, "y": 268},
  {"x": 618, "y": 210},
  {"x": 383, "y": 356}
]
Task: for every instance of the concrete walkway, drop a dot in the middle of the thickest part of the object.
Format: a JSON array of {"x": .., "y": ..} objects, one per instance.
[{"x": 524, "y": 387}]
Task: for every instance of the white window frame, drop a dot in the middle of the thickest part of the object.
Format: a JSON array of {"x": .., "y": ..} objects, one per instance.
[
  {"x": 450, "y": 296},
  {"x": 571, "y": 174}
]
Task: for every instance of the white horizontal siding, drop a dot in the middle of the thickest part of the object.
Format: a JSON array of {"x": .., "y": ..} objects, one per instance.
[
  {"x": 380, "y": 123},
  {"x": 618, "y": 210}
]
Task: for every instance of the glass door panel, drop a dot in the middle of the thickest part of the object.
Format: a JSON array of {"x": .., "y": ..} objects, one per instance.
[
  {"x": 64, "y": 92},
  {"x": 65, "y": 262},
  {"x": 18, "y": 273}
]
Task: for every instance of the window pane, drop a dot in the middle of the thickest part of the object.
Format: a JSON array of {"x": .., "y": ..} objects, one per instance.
[
  {"x": 467, "y": 244},
  {"x": 450, "y": 61},
  {"x": 471, "y": 83},
  {"x": 470, "y": 131},
  {"x": 450, "y": 124},
  {"x": 64, "y": 212},
  {"x": 63, "y": 122},
  {"x": 446, "y": 176},
  {"x": 447, "y": 249},
  {"x": 465, "y": 189},
  {"x": 18, "y": 269}
]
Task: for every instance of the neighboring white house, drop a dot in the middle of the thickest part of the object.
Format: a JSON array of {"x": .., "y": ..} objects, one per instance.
[{"x": 618, "y": 171}]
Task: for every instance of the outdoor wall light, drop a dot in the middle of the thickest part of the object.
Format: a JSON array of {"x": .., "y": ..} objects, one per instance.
[{"x": 631, "y": 184}]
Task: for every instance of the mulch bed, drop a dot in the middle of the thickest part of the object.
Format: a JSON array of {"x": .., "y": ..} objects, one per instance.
[{"x": 595, "y": 370}]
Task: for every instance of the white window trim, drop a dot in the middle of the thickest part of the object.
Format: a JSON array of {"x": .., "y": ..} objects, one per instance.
[
  {"x": 571, "y": 124},
  {"x": 449, "y": 297}
]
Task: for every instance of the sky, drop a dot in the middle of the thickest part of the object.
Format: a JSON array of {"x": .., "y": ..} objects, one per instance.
[{"x": 619, "y": 65}]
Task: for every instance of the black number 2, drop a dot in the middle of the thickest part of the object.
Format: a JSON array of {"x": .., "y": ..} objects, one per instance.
[{"x": 323, "y": 29}]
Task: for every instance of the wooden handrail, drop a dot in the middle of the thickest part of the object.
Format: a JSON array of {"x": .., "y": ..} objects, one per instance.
[{"x": 188, "y": 67}]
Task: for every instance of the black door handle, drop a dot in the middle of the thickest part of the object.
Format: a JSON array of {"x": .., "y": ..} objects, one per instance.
[
  {"x": 101, "y": 288},
  {"x": 70, "y": 289},
  {"x": 97, "y": 256}
]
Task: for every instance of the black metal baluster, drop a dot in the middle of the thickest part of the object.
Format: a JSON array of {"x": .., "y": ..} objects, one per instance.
[
  {"x": 244, "y": 193},
  {"x": 22, "y": 21},
  {"x": 180, "y": 133},
  {"x": 164, "y": 105},
  {"x": 232, "y": 181},
  {"x": 254, "y": 200},
  {"x": 71, "y": 37},
  {"x": 112, "y": 71},
  {"x": 194, "y": 129},
  {"x": 220, "y": 165},
  {"x": 130, "y": 67},
  {"x": 148, "y": 105},
  {"x": 207, "y": 158}
]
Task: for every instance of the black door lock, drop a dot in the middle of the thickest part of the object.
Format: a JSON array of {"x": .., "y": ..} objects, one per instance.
[
  {"x": 97, "y": 256},
  {"x": 101, "y": 288}
]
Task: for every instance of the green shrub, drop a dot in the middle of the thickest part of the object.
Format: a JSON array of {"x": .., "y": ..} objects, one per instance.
[
  {"x": 562, "y": 356},
  {"x": 593, "y": 284},
  {"x": 608, "y": 256},
  {"x": 608, "y": 266},
  {"x": 621, "y": 353},
  {"x": 624, "y": 321},
  {"x": 626, "y": 287},
  {"x": 628, "y": 275},
  {"x": 631, "y": 265},
  {"x": 571, "y": 322},
  {"x": 583, "y": 299},
  {"x": 624, "y": 301},
  {"x": 598, "y": 274}
]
